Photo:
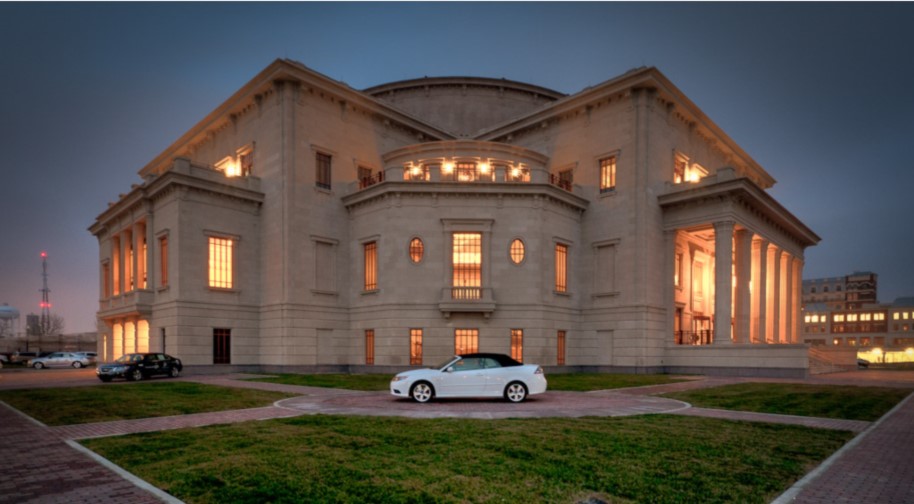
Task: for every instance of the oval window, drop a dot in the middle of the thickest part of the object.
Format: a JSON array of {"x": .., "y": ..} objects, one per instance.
[
  {"x": 416, "y": 250},
  {"x": 517, "y": 251}
]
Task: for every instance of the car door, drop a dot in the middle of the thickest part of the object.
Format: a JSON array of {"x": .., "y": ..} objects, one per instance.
[
  {"x": 497, "y": 377},
  {"x": 464, "y": 378},
  {"x": 56, "y": 359}
]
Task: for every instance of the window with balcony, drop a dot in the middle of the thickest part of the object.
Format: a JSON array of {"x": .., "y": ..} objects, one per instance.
[
  {"x": 466, "y": 341},
  {"x": 419, "y": 172},
  {"x": 561, "y": 267},
  {"x": 467, "y": 266},
  {"x": 685, "y": 171},
  {"x": 517, "y": 344},
  {"x": 370, "y": 251},
  {"x": 323, "y": 170},
  {"x": 367, "y": 177},
  {"x": 220, "y": 262},
  {"x": 608, "y": 174},
  {"x": 415, "y": 347},
  {"x": 517, "y": 174}
]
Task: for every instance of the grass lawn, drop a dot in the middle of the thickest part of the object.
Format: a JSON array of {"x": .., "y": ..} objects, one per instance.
[
  {"x": 65, "y": 406},
  {"x": 653, "y": 458},
  {"x": 827, "y": 401},
  {"x": 579, "y": 382}
]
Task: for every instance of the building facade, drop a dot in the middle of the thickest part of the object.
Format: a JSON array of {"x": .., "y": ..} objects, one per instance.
[{"x": 307, "y": 225}]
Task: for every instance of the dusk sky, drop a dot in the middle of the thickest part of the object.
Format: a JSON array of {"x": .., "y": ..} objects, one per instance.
[{"x": 818, "y": 94}]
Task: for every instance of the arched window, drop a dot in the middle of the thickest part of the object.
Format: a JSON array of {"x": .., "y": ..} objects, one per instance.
[{"x": 416, "y": 250}]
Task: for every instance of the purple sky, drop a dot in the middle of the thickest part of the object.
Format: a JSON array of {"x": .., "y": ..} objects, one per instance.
[{"x": 818, "y": 94}]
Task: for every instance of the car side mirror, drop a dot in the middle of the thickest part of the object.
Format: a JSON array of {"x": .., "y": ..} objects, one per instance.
[{"x": 449, "y": 370}]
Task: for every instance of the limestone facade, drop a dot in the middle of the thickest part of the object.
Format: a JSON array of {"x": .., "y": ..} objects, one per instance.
[{"x": 307, "y": 225}]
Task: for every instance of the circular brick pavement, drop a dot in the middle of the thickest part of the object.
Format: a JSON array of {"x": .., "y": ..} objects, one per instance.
[{"x": 550, "y": 404}]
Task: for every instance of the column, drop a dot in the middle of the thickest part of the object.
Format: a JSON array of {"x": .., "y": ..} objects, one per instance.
[
  {"x": 743, "y": 295},
  {"x": 797, "y": 324},
  {"x": 669, "y": 290},
  {"x": 776, "y": 297},
  {"x": 723, "y": 281},
  {"x": 786, "y": 296},
  {"x": 138, "y": 256},
  {"x": 760, "y": 295},
  {"x": 150, "y": 248}
]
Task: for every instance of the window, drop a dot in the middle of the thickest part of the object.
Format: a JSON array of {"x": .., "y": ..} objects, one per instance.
[
  {"x": 560, "y": 348},
  {"x": 517, "y": 174},
  {"x": 416, "y": 250},
  {"x": 516, "y": 251},
  {"x": 561, "y": 267},
  {"x": 371, "y": 266},
  {"x": 467, "y": 172},
  {"x": 608, "y": 174},
  {"x": 677, "y": 271},
  {"x": 679, "y": 170},
  {"x": 106, "y": 280},
  {"x": 364, "y": 173},
  {"x": 246, "y": 163},
  {"x": 517, "y": 344},
  {"x": 369, "y": 347},
  {"x": 421, "y": 172},
  {"x": 222, "y": 346},
  {"x": 220, "y": 262},
  {"x": 466, "y": 341},
  {"x": 415, "y": 347},
  {"x": 163, "y": 261},
  {"x": 322, "y": 178},
  {"x": 116, "y": 261},
  {"x": 467, "y": 266}
]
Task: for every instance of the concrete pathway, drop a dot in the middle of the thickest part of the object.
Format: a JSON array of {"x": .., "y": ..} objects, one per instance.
[{"x": 38, "y": 465}]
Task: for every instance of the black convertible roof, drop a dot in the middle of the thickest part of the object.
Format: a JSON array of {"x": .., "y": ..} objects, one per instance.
[{"x": 502, "y": 359}]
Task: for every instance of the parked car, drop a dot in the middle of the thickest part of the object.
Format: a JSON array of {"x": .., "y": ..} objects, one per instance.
[
  {"x": 59, "y": 359},
  {"x": 137, "y": 366},
  {"x": 91, "y": 356},
  {"x": 471, "y": 375},
  {"x": 22, "y": 357}
]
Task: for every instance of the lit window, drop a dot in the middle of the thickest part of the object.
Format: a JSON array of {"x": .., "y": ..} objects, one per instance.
[
  {"x": 904, "y": 315},
  {"x": 560, "y": 348},
  {"x": 415, "y": 347},
  {"x": 807, "y": 318},
  {"x": 222, "y": 346},
  {"x": 106, "y": 279},
  {"x": 879, "y": 316},
  {"x": 467, "y": 172},
  {"x": 416, "y": 172},
  {"x": 839, "y": 317},
  {"x": 220, "y": 262},
  {"x": 608, "y": 174},
  {"x": 163, "y": 261},
  {"x": 677, "y": 273},
  {"x": 895, "y": 316},
  {"x": 371, "y": 266},
  {"x": 246, "y": 163},
  {"x": 369, "y": 346},
  {"x": 851, "y": 317},
  {"x": 679, "y": 170},
  {"x": 517, "y": 344},
  {"x": 466, "y": 341},
  {"x": 561, "y": 267},
  {"x": 517, "y": 174},
  {"x": 517, "y": 251},
  {"x": 467, "y": 266},
  {"x": 322, "y": 176},
  {"x": 416, "y": 250}
]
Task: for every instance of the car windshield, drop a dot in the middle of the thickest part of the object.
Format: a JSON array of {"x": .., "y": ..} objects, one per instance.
[
  {"x": 446, "y": 363},
  {"x": 128, "y": 358}
]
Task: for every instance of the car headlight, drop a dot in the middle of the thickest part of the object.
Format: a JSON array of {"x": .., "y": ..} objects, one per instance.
[
  {"x": 539, "y": 370},
  {"x": 398, "y": 378}
]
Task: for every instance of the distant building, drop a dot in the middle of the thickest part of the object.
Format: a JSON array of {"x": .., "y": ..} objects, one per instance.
[
  {"x": 840, "y": 293},
  {"x": 309, "y": 225}
]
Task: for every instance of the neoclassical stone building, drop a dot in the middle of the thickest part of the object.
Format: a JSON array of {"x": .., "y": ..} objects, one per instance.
[{"x": 309, "y": 225}]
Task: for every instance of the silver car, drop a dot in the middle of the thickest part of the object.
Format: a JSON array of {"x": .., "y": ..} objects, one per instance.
[{"x": 60, "y": 359}]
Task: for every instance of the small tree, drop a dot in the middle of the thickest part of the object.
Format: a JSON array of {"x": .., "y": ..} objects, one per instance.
[{"x": 53, "y": 328}]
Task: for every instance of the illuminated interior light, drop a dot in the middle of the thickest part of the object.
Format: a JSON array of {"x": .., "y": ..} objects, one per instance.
[
  {"x": 415, "y": 170},
  {"x": 515, "y": 172},
  {"x": 448, "y": 167},
  {"x": 483, "y": 167}
]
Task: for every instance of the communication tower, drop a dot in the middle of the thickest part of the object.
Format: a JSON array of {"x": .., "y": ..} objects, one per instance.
[{"x": 45, "y": 296}]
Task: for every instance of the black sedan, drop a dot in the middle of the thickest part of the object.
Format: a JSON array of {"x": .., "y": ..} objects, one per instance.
[{"x": 137, "y": 366}]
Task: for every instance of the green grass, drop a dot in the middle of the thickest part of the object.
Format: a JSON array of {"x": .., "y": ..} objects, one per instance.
[
  {"x": 655, "y": 458},
  {"x": 827, "y": 401},
  {"x": 65, "y": 406},
  {"x": 579, "y": 382}
]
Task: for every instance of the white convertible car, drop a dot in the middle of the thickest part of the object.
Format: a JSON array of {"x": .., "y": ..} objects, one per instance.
[{"x": 472, "y": 375}]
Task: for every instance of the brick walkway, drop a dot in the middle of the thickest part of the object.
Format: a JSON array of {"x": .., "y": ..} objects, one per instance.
[{"x": 36, "y": 465}]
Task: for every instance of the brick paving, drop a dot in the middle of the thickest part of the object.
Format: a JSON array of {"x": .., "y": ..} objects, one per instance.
[{"x": 875, "y": 467}]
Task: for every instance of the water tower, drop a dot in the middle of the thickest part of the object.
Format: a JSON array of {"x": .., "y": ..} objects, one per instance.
[{"x": 9, "y": 320}]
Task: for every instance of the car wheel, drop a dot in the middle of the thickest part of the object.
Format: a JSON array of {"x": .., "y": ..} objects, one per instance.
[
  {"x": 174, "y": 373},
  {"x": 516, "y": 392},
  {"x": 422, "y": 392},
  {"x": 38, "y": 365},
  {"x": 135, "y": 375},
  {"x": 105, "y": 379},
  {"x": 77, "y": 364}
]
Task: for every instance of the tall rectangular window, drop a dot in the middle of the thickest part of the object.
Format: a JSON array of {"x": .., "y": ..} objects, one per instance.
[
  {"x": 371, "y": 265},
  {"x": 560, "y": 348},
  {"x": 322, "y": 177},
  {"x": 561, "y": 267},
  {"x": 467, "y": 266},
  {"x": 608, "y": 174},
  {"x": 220, "y": 262},
  {"x": 106, "y": 279},
  {"x": 369, "y": 347},
  {"x": 222, "y": 346},
  {"x": 163, "y": 261},
  {"x": 415, "y": 347},
  {"x": 677, "y": 271},
  {"x": 143, "y": 275},
  {"x": 517, "y": 344},
  {"x": 466, "y": 341},
  {"x": 116, "y": 265},
  {"x": 128, "y": 263}
]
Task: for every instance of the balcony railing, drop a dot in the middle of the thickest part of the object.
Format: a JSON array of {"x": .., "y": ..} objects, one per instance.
[
  {"x": 377, "y": 178},
  {"x": 466, "y": 300},
  {"x": 559, "y": 182},
  {"x": 466, "y": 293},
  {"x": 704, "y": 337}
]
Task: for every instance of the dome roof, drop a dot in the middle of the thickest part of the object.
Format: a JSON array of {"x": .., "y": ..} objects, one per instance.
[
  {"x": 8, "y": 312},
  {"x": 464, "y": 106}
]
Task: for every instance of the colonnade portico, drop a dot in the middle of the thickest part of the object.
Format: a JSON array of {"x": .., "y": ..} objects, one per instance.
[{"x": 127, "y": 335}]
